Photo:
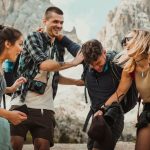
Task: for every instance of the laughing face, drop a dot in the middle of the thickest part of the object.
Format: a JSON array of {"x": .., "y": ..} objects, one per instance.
[
  {"x": 130, "y": 38},
  {"x": 54, "y": 24},
  {"x": 15, "y": 49}
]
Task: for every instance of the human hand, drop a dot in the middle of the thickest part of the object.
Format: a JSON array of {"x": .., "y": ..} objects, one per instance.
[
  {"x": 99, "y": 112},
  {"x": 40, "y": 29},
  {"x": 17, "y": 83},
  {"x": 78, "y": 59},
  {"x": 59, "y": 37},
  {"x": 16, "y": 117}
]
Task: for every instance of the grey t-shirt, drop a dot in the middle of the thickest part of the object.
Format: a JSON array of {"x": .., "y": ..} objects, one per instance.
[{"x": 2, "y": 87}]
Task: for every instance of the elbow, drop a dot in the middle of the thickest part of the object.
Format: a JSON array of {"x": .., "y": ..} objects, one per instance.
[{"x": 48, "y": 66}]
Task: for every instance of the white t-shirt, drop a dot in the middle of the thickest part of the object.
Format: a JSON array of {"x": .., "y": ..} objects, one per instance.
[{"x": 39, "y": 101}]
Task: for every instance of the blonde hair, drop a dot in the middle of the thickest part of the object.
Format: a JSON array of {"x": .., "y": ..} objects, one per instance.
[{"x": 140, "y": 44}]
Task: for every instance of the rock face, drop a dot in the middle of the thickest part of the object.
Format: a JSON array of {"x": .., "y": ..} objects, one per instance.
[
  {"x": 26, "y": 15},
  {"x": 126, "y": 16},
  {"x": 71, "y": 109}
]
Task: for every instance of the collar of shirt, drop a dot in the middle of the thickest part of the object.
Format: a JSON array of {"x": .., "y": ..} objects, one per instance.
[{"x": 49, "y": 39}]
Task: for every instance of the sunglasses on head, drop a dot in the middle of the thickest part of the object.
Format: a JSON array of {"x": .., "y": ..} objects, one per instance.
[{"x": 125, "y": 40}]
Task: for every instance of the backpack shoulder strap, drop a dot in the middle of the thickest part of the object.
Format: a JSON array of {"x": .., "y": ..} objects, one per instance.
[{"x": 116, "y": 71}]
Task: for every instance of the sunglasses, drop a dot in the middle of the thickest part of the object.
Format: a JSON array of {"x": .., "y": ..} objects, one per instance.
[{"x": 125, "y": 40}]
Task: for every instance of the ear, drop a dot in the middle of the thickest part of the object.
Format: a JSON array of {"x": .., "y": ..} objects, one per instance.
[
  {"x": 7, "y": 44},
  {"x": 44, "y": 20}
]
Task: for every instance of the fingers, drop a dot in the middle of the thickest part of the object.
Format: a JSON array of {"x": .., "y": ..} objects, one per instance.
[
  {"x": 98, "y": 113},
  {"x": 60, "y": 37},
  {"x": 79, "y": 52},
  {"x": 16, "y": 117},
  {"x": 22, "y": 79},
  {"x": 22, "y": 114},
  {"x": 40, "y": 29}
]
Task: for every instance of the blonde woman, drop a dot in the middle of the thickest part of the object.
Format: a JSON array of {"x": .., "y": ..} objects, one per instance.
[
  {"x": 10, "y": 46},
  {"x": 137, "y": 44}
]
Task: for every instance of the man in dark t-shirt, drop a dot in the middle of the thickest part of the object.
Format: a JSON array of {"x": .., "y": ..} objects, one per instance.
[{"x": 100, "y": 86}]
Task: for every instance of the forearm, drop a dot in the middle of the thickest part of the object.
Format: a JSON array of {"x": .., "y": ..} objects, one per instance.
[
  {"x": 116, "y": 97},
  {"x": 52, "y": 65},
  {"x": 122, "y": 89},
  {"x": 10, "y": 89},
  {"x": 68, "y": 81},
  {"x": 4, "y": 113}
]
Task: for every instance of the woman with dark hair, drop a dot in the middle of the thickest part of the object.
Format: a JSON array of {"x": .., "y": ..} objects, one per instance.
[
  {"x": 137, "y": 45},
  {"x": 10, "y": 47}
]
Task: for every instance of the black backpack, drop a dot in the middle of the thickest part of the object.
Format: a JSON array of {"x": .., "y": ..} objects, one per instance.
[{"x": 130, "y": 99}]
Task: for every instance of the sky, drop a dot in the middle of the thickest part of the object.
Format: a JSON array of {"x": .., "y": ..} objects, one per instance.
[{"x": 88, "y": 16}]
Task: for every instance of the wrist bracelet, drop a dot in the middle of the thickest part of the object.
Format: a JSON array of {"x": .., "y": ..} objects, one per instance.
[{"x": 104, "y": 108}]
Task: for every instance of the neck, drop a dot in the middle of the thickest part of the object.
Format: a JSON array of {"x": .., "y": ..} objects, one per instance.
[
  {"x": 142, "y": 66},
  {"x": 51, "y": 37}
]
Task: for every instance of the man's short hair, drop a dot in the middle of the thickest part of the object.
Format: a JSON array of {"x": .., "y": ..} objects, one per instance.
[
  {"x": 91, "y": 50},
  {"x": 52, "y": 9}
]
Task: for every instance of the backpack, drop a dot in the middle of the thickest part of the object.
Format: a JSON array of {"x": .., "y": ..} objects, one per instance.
[{"x": 131, "y": 98}]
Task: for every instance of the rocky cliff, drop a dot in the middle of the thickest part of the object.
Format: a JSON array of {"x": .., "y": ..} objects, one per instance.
[
  {"x": 26, "y": 15},
  {"x": 126, "y": 16},
  {"x": 70, "y": 107}
]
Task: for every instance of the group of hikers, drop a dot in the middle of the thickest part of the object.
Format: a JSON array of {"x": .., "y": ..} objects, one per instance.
[{"x": 33, "y": 92}]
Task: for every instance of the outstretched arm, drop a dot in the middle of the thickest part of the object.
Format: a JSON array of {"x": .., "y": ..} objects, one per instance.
[
  {"x": 71, "y": 46},
  {"x": 122, "y": 89},
  {"x": 52, "y": 65},
  {"x": 14, "y": 87},
  {"x": 70, "y": 81},
  {"x": 34, "y": 45}
]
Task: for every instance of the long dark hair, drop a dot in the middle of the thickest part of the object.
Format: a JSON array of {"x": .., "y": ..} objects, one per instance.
[{"x": 8, "y": 34}]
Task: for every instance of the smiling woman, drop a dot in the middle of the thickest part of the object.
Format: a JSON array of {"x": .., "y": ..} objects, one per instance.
[
  {"x": 10, "y": 47},
  {"x": 10, "y": 43}
]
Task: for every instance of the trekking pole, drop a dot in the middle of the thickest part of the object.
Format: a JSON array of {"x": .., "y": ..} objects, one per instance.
[{"x": 4, "y": 101}]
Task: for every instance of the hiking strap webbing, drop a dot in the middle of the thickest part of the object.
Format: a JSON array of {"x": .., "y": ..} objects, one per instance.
[
  {"x": 90, "y": 113},
  {"x": 4, "y": 101},
  {"x": 139, "y": 103}
]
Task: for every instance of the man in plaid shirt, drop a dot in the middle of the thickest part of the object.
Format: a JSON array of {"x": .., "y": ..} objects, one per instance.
[{"x": 40, "y": 61}]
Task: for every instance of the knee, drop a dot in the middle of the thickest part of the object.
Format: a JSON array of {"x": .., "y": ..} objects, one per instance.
[
  {"x": 41, "y": 146},
  {"x": 16, "y": 145}
]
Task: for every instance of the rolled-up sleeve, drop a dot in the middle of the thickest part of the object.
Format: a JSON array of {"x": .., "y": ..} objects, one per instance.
[
  {"x": 34, "y": 45},
  {"x": 71, "y": 46}
]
